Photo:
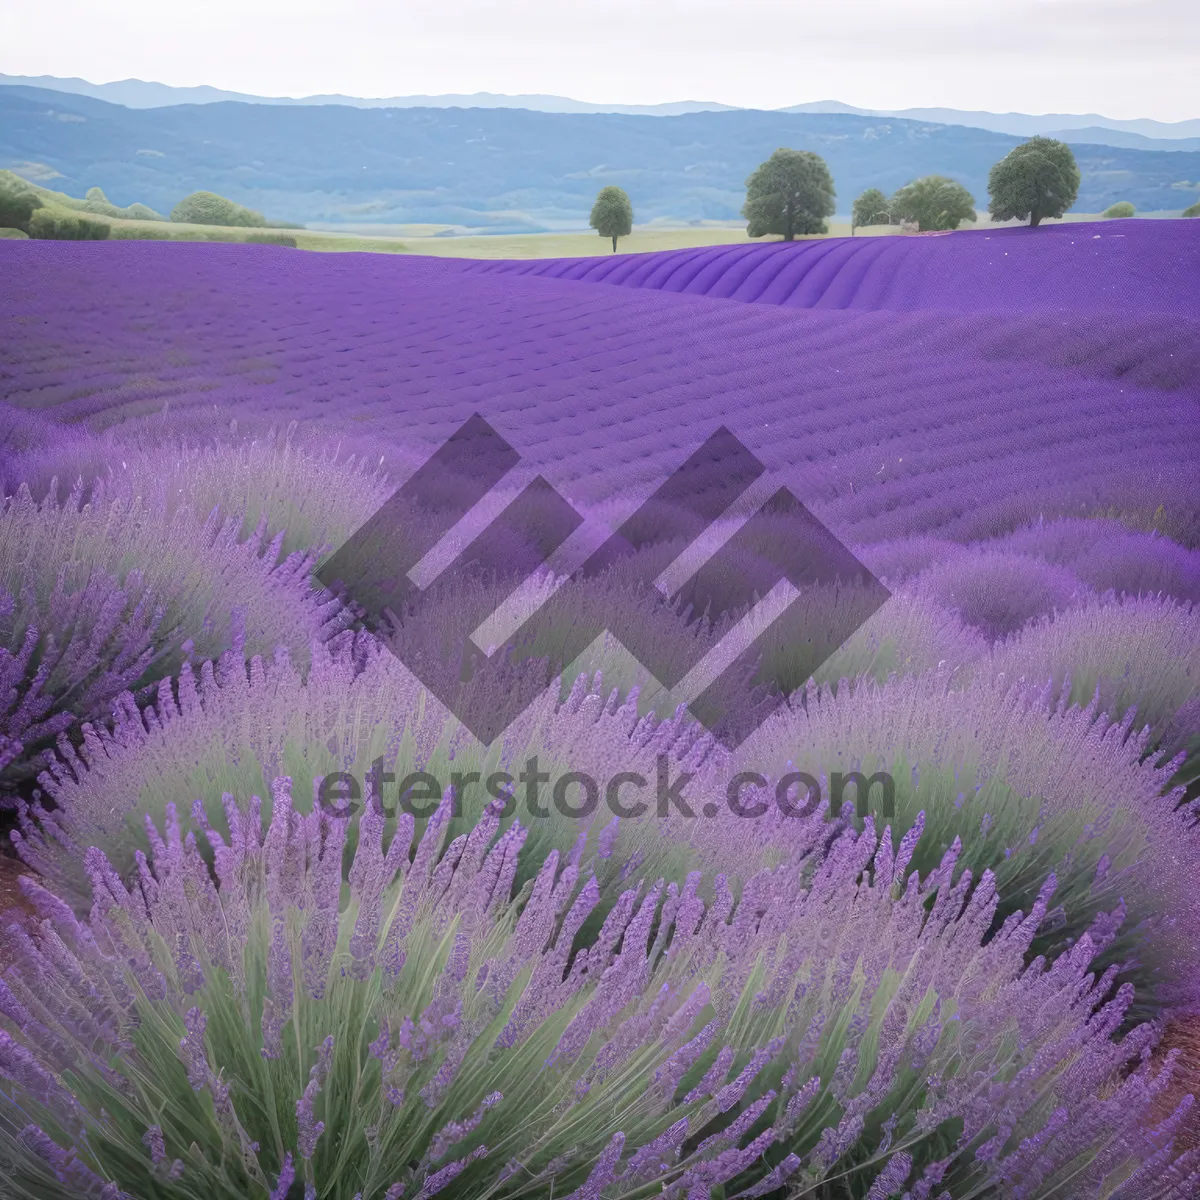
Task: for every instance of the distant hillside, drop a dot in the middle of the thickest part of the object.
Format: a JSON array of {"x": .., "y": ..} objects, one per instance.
[
  {"x": 138, "y": 93},
  {"x": 507, "y": 169}
]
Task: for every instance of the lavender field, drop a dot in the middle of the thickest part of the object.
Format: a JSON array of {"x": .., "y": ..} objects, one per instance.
[{"x": 985, "y": 983}]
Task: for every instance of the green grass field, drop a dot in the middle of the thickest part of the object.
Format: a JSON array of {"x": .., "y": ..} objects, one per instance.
[
  {"x": 581, "y": 245},
  {"x": 430, "y": 240}
]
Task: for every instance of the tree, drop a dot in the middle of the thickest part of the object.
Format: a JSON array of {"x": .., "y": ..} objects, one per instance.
[
  {"x": 612, "y": 214},
  {"x": 1193, "y": 211},
  {"x": 207, "y": 208},
  {"x": 17, "y": 206},
  {"x": 1036, "y": 179},
  {"x": 869, "y": 208},
  {"x": 934, "y": 202},
  {"x": 791, "y": 193},
  {"x": 1122, "y": 208}
]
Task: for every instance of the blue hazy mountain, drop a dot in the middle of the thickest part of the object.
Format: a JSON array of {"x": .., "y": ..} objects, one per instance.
[
  {"x": 138, "y": 93},
  {"x": 510, "y": 169}
]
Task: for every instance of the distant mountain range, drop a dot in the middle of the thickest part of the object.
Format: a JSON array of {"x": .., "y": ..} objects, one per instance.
[
  {"x": 504, "y": 169},
  {"x": 1088, "y": 127},
  {"x": 137, "y": 93}
]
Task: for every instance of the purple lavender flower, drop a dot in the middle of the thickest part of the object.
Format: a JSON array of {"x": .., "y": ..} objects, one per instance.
[
  {"x": 153, "y": 1140},
  {"x": 287, "y": 1174},
  {"x": 191, "y": 1049},
  {"x": 892, "y": 1178}
]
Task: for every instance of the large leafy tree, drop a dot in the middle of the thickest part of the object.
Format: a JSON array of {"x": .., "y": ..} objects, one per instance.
[
  {"x": 612, "y": 214},
  {"x": 791, "y": 193},
  {"x": 871, "y": 208},
  {"x": 1036, "y": 179},
  {"x": 934, "y": 202}
]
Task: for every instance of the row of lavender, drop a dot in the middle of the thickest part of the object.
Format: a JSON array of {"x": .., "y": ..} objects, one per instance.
[
  {"x": 228, "y": 996},
  {"x": 961, "y": 423},
  {"x": 1142, "y": 268}
]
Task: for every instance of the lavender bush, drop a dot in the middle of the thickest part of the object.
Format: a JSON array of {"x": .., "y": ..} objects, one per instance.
[
  {"x": 315, "y": 494},
  {"x": 1130, "y": 654},
  {"x": 997, "y": 592},
  {"x": 1109, "y": 556},
  {"x": 1027, "y": 783},
  {"x": 99, "y": 598},
  {"x": 233, "y": 726},
  {"x": 831, "y": 1027}
]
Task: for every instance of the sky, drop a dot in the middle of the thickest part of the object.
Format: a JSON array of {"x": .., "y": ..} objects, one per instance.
[{"x": 1120, "y": 58}]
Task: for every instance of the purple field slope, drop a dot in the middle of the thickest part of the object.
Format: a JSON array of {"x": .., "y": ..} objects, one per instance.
[
  {"x": 1135, "y": 268},
  {"x": 900, "y": 386}
]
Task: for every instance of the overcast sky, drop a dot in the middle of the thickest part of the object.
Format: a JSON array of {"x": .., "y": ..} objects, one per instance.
[{"x": 1120, "y": 58}]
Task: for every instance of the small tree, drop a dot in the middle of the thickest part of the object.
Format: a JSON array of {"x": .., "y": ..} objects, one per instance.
[
  {"x": 869, "y": 208},
  {"x": 791, "y": 193},
  {"x": 1037, "y": 179},
  {"x": 17, "y": 206},
  {"x": 1121, "y": 209},
  {"x": 612, "y": 214},
  {"x": 934, "y": 202},
  {"x": 1193, "y": 211}
]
